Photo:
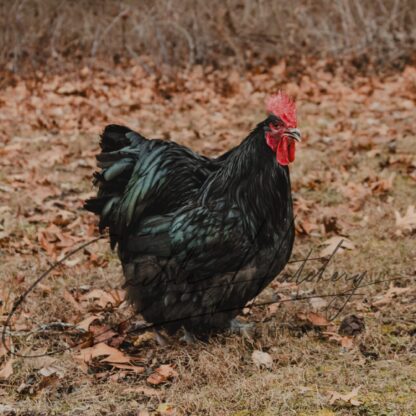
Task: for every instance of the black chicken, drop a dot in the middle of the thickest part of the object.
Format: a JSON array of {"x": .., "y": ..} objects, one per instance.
[{"x": 197, "y": 237}]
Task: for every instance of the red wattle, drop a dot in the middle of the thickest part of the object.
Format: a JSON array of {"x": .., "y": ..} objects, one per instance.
[
  {"x": 283, "y": 146},
  {"x": 282, "y": 154},
  {"x": 291, "y": 151}
]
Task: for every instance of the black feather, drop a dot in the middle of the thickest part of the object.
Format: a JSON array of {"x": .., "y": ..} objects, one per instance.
[{"x": 197, "y": 237}]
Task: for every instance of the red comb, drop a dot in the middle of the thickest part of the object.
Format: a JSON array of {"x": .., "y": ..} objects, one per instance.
[{"x": 284, "y": 107}]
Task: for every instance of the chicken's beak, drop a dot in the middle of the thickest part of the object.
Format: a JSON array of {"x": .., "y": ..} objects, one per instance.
[{"x": 294, "y": 134}]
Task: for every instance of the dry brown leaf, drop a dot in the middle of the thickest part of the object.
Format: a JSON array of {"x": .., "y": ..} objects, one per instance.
[
  {"x": 70, "y": 299},
  {"x": 391, "y": 294},
  {"x": 407, "y": 222},
  {"x": 332, "y": 336},
  {"x": 112, "y": 354},
  {"x": 382, "y": 186},
  {"x": 167, "y": 370},
  {"x": 347, "y": 343},
  {"x": 7, "y": 369},
  {"x": 119, "y": 295},
  {"x": 305, "y": 226},
  {"x": 85, "y": 323},
  {"x": 63, "y": 217},
  {"x": 162, "y": 374},
  {"x": 284, "y": 359},
  {"x": 315, "y": 319},
  {"x": 46, "y": 245},
  {"x": 333, "y": 242},
  {"x": 100, "y": 298},
  {"x": 347, "y": 398},
  {"x": 52, "y": 370},
  {"x": 357, "y": 194},
  {"x": 155, "y": 379},
  {"x": 104, "y": 333},
  {"x": 143, "y": 412},
  {"x": 42, "y": 361},
  {"x": 3, "y": 349},
  {"x": 272, "y": 309},
  {"x": 136, "y": 369}
]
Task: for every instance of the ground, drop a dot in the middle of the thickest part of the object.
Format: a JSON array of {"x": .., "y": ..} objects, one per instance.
[{"x": 354, "y": 179}]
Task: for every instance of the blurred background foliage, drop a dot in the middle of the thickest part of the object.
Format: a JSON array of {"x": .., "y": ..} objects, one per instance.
[{"x": 177, "y": 33}]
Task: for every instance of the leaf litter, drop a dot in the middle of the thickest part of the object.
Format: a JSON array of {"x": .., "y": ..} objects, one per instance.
[{"x": 41, "y": 212}]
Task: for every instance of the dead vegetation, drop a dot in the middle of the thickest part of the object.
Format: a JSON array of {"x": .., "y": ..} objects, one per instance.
[
  {"x": 353, "y": 179},
  {"x": 35, "y": 33}
]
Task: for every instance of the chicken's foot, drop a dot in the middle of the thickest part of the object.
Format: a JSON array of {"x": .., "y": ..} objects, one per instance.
[
  {"x": 188, "y": 337},
  {"x": 160, "y": 339}
]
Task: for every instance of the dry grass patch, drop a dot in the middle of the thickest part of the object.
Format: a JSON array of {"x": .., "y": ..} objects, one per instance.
[{"x": 356, "y": 137}]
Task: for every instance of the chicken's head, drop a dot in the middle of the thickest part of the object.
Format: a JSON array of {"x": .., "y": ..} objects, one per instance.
[{"x": 281, "y": 128}]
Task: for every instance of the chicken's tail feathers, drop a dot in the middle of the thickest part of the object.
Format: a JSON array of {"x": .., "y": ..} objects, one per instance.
[
  {"x": 120, "y": 149},
  {"x": 115, "y": 137}
]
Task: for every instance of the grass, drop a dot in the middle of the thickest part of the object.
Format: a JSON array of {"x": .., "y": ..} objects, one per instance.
[
  {"x": 219, "y": 377},
  {"x": 224, "y": 34}
]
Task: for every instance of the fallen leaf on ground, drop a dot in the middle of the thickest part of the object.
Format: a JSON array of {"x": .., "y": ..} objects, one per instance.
[
  {"x": 100, "y": 298},
  {"x": 50, "y": 371},
  {"x": 347, "y": 343},
  {"x": 70, "y": 299},
  {"x": 356, "y": 193},
  {"x": 85, "y": 323},
  {"x": 155, "y": 379},
  {"x": 3, "y": 349},
  {"x": 314, "y": 318},
  {"x": 272, "y": 309},
  {"x": 112, "y": 354},
  {"x": 332, "y": 244},
  {"x": 104, "y": 333},
  {"x": 347, "y": 398},
  {"x": 382, "y": 186},
  {"x": 391, "y": 294},
  {"x": 332, "y": 336},
  {"x": 162, "y": 374},
  {"x": 7, "y": 370},
  {"x": 167, "y": 371},
  {"x": 262, "y": 359},
  {"x": 136, "y": 369},
  {"x": 407, "y": 222}
]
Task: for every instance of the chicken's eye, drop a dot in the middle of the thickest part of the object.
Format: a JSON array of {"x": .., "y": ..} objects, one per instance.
[{"x": 276, "y": 124}]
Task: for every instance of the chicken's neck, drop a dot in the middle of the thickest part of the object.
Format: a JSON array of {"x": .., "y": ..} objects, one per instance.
[{"x": 252, "y": 179}]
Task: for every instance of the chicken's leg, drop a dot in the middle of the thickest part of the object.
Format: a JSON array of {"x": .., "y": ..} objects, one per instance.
[
  {"x": 188, "y": 337},
  {"x": 160, "y": 339}
]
